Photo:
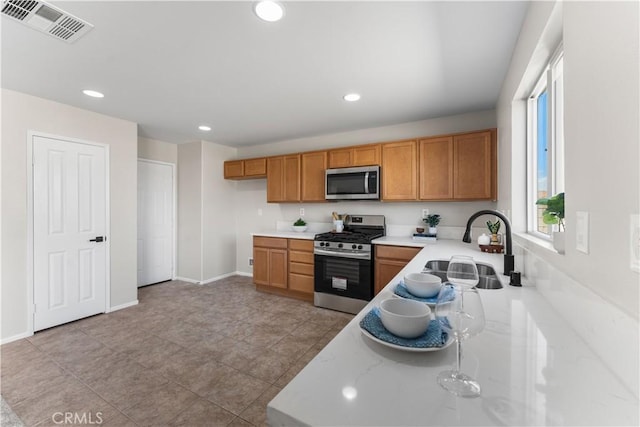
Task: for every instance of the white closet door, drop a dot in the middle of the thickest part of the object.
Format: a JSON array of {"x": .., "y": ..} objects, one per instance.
[
  {"x": 69, "y": 226},
  {"x": 155, "y": 222}
]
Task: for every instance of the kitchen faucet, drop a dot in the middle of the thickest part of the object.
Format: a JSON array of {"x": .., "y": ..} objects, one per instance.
[{"x": 508, "y": 255}]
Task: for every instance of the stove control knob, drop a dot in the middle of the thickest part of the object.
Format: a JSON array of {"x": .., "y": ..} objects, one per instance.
[
  {"x": 359, "y": 246},
  {"x": 339, "y": 245},
  {"x": 354, "y": 246},
  {"x": 321, "y": 243}
]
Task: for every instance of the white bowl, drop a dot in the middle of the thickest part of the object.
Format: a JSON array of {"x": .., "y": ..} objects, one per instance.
[
  {"x": 404, "y": 317},
  {"x": 299, "y": 228},
  {"x": 423, "y": 285}
]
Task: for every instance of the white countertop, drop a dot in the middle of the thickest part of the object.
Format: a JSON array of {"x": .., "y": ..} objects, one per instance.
[
  {"x": 533, "y": 369},
  {"x": 286, "y": 234}
]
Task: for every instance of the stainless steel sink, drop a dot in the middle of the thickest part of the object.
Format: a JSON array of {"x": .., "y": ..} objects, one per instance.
[{"x": 488, "y": 276}]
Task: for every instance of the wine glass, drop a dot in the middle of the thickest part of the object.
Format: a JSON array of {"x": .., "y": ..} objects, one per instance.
[
  {"x": 462, "y": 271},
  {"x": 460, "y": 313}
]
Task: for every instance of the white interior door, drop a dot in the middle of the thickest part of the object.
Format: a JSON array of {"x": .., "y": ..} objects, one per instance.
[
  {"x": 155, "y": 222},
  {"x": 69, "y": 217}
]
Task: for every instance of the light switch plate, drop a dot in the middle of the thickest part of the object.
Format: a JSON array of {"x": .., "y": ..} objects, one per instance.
[
  {"x": 301, "y": 211},
  {"x": 635, "y": 243},
  {"x": 582, "y": 232},
  {"x": 425, "y": 213}
]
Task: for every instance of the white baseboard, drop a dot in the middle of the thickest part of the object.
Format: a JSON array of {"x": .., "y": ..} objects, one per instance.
[
  {"x": 188, "y": 280},
  {"x": 211, "y": 279},
  {"x": 15, "y": 338},
  {"x": 244, "y": 273},
  {"x": 121, "y": 306}
]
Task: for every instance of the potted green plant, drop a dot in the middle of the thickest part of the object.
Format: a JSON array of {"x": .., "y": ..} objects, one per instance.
[
  {"x": 300, "y": 225},
  {"x": 432, "y": 221},
  {"x": 494, "y": 227},
  {"x": 554, "y": 215}
]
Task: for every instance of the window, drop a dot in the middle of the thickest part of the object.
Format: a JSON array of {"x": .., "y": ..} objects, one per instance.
[{"x": 545, "y": 139}]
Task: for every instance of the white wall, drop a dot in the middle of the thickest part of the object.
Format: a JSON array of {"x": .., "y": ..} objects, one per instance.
[
  {"x": 190, "y": 211},
  {"x": 206, "y": 212},
  {"x": 601, "y": 135},
  {"x": 251, "y": 195},
  {"x": 152, "y": 149},
  {"x": 219, "y": 209},
  {"x": 22, "y": 113},
  {"x": 597, "y": 292}
]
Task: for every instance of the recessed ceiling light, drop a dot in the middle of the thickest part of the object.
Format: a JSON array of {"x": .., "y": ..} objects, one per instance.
[
  {"x": 204, "y": 128},
  {"x": 269, "y": 11},
  {"x": 93, "y": 93},
  {"x": 351, "y": 97}
]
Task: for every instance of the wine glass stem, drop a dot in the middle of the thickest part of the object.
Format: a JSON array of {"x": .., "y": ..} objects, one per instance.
[{"x": 458, "y": 354}]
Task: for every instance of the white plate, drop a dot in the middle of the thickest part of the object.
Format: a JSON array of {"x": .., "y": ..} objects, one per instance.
[{"x": 403, "y": 348}]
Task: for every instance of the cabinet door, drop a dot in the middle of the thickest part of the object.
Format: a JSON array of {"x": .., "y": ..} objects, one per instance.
[
  {"x": 399, "y": 171},
  {"x": 275, "y": 179},
  {"x": 233, "y": 169},
  {"x": 474, "y": 166},
  {"x": 340, "y": 158},
  {"x": 435, "y": 164},
  {"x": 291, "y": 183},
  {"x": 260, "y": 266},
  {"x": 255, "y": 167},
  {"x": 277, "y": 268},
  {"x": 367, "y": 155},
  {"x": 312, "y": 177},
  {"x": 386, "y": 269}
]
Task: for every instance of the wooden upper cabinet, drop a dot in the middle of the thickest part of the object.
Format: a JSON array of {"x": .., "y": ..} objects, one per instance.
[
  {"x": 474, "y": 166},
  {"x": 312, "y": 176},
  {"x": 254, "y": 168},
  {"x": 399, "y": 171},
  {"x": 245, "y": 169},
  {"x": 283, "y": 178},
  {"x": 435, "y": 165},
  {"x": 364, "y": 155}
]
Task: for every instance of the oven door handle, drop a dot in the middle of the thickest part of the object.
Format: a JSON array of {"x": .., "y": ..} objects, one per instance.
[{"x": 341, "y": 254}]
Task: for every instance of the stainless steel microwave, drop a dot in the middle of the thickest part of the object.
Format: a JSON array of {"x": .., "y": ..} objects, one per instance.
[{"x": 359, "y": 183}]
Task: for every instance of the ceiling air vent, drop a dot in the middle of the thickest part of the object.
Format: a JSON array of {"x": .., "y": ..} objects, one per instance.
[{"x": 46, "y": 18}]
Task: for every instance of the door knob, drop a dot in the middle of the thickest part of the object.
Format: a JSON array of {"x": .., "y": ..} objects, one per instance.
[{"x": 98, "y": 239}]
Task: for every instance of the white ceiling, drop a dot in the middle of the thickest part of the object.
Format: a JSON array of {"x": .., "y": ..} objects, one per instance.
[{"x": 171, "y": 66}]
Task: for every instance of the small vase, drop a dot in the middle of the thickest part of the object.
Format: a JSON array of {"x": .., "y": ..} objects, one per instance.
[
  {"x": 433, "y": 230},
  {"x": 494, "y": 239},
  {"x": 559, "y": 241}
]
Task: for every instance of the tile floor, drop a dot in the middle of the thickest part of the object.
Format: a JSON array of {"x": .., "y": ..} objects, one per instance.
[{"x": 186, "y": 355}]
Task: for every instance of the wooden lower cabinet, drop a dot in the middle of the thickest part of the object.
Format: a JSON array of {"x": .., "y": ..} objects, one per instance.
[
  {"x": 389, "y": 260},
  {"x": 270, "y": 262},
  {"x": 283, "y": 266}
]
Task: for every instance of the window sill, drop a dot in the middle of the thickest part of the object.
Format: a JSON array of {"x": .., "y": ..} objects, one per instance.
[{"x": 528, "y": 241}]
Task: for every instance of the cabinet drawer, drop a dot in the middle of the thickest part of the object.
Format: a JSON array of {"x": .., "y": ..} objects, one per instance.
[
  {"x": 404, "y": 253},
  {"x": 303, "y": 257},
  {"x": 301, "y": 283},
  {"x": 301, "y": 245},
  {"x": 299, "y": 268},
  {"x": 269, "y": 242}
]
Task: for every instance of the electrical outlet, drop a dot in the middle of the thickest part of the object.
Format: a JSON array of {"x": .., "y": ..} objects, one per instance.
[
  {"x": 582, "y": 232},
  {"x": 259, "y": 212},
  {"x": 635, "y": 243},
  {"x": 301, "y": 211},
  {"x": 250, "y": 262},
  {"x": 425, "y": 213}
]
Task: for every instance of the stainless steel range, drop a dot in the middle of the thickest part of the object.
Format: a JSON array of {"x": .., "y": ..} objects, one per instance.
[{"x": 344, "y": 264}]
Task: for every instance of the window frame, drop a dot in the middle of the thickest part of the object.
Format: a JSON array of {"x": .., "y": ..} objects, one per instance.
[{"x": 550, "y": 80}]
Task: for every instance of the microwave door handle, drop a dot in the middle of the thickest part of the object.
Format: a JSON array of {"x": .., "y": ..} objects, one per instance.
[{"x": 366, "y": 183}]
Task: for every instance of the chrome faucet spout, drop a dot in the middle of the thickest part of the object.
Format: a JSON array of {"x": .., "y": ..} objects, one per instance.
[{"x": 508, "y": 254}]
